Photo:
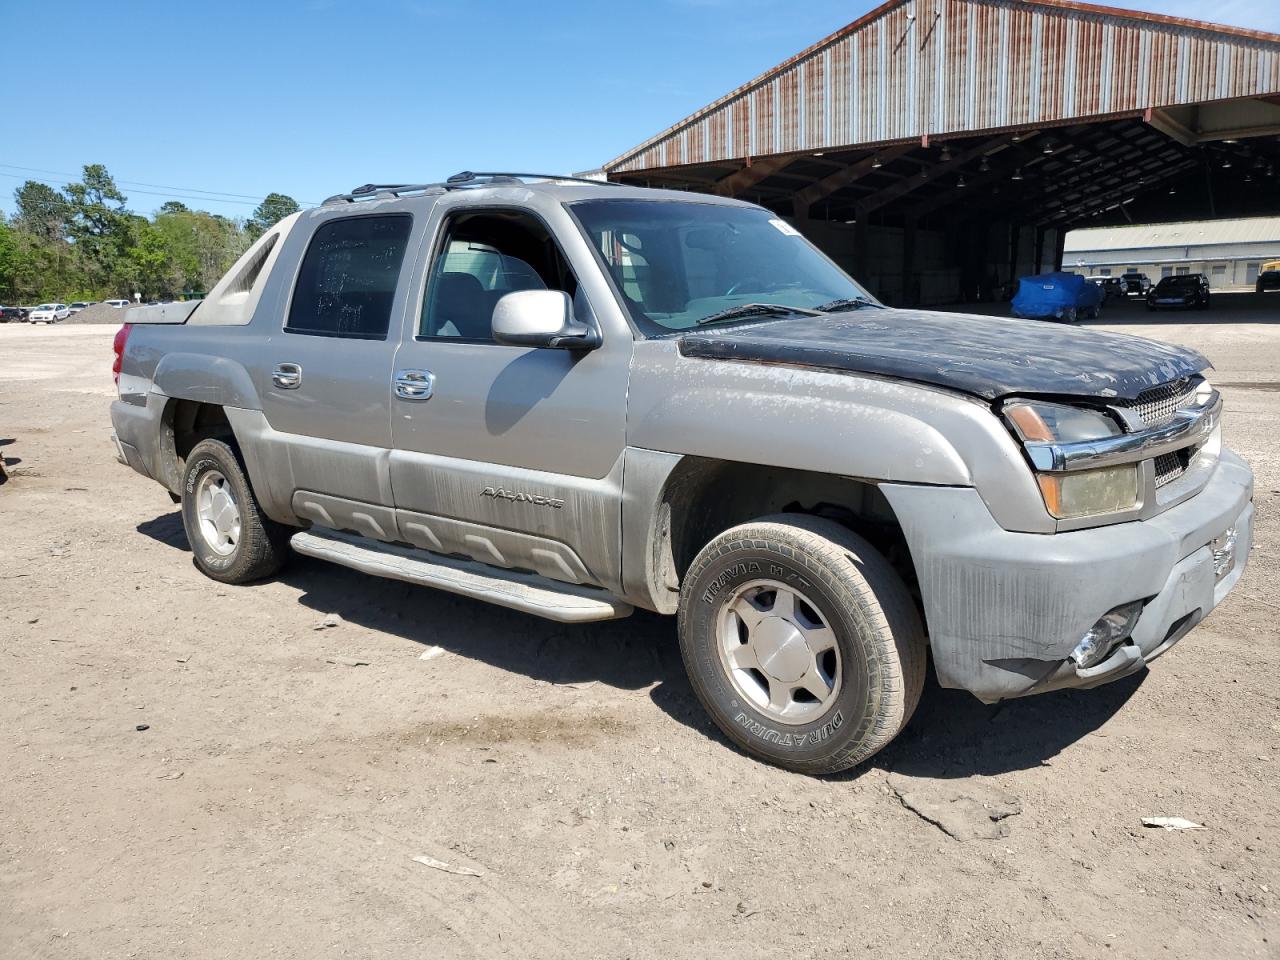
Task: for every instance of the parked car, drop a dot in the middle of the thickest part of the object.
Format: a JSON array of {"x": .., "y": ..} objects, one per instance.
[
  {"x": 575, "y": 398},
  {"x": 13, "y": 314},
  {"x": 1134, "y": 282},
  {"x": 80, "y": 305},
  {"x": 1267, "y": 280},
  {"x": 1057, "y": 296},
  {"x": 118, "y": 304},
  {"x": 1111, "y": 286},
  {"x": 49, "y": 313},
  {"x": 1183, "y": 291}
]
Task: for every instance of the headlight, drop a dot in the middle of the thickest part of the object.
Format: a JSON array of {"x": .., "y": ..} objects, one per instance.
[
  {"x": 1085, "y": 493},
  {"x": 1058, "y": 423}
]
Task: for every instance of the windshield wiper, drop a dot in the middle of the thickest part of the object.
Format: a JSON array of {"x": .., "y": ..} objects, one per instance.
[
  {"x": 846, "y": 303},
  {"x": 755, "y": 310}
]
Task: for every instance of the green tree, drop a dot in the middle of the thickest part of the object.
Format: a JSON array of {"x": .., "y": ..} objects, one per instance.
[
  {"x": 10, "y": 263},
  {"x": 101, "y": 228},
  {"x": 203, "y": 246},
  {"x": 82, "y": 242},
  {"x": 151, "y": 262},
  {"x": 31, "y": 269},
  {"x": 42, "y": 211},
  {"x": 270, "y": 211}
]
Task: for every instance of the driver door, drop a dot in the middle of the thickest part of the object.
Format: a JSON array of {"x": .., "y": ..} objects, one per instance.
[{"x": 509, "y": 455}]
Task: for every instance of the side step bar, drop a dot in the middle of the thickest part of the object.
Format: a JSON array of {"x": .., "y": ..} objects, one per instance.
[{"x": 565, "y": 602}]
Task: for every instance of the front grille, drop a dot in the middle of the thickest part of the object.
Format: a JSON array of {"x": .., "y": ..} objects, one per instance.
[
  {"x": 1170, "y": 466},
  {"x": 1157, "y": 406}
]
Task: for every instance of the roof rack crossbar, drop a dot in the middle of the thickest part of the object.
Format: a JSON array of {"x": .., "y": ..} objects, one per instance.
[{"x": 466, "y": 178}]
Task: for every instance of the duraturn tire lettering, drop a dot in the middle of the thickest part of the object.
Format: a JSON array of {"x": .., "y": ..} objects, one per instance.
[{"x": 881, "y": 639}]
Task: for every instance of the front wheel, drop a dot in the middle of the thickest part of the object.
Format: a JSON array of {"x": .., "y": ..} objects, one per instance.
[
  {"x": 230, "y": 537},
  {"x": 802, "y": 642}
]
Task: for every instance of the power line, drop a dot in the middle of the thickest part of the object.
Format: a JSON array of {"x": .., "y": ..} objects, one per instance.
[
  {"x": 137, "y": 183},
  {"x": 152, "y": 193},
  {"x": 185, "y": 193}
]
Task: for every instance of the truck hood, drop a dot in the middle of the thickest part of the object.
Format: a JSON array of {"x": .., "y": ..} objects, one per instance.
[{"x": 988, "y": 357}]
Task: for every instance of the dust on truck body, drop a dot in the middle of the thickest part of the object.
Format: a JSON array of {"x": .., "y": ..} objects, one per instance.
[{"x": 574, "y": 399}]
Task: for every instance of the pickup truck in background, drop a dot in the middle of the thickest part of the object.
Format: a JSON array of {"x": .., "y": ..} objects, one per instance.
[{"x": 574, "y": 398}]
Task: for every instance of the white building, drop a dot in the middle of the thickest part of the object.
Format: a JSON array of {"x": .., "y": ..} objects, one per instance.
[{"x": 1228, "y": 252}]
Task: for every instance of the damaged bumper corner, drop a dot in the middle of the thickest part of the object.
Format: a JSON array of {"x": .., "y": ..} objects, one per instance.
[
  {"x": 132, "y": 426},
  {"x": 1005, "y": 610}
]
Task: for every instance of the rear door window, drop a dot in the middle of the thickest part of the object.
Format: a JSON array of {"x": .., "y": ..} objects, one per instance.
[{"x": 348, "y": 278}]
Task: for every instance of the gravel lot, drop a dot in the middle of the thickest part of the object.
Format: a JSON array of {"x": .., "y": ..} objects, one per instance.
[{"x": 276, "y": 801}]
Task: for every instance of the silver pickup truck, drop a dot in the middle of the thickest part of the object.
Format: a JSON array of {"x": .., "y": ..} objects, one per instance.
[{"x": 576, "y": 398}]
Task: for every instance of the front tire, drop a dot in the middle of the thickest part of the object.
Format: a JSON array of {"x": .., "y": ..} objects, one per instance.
[
  {"x": 802, "y": 642},
  {"x": 230, "y": 537}
]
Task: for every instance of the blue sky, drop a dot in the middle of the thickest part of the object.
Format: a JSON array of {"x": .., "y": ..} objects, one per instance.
[{"x": 313, "y": 97}]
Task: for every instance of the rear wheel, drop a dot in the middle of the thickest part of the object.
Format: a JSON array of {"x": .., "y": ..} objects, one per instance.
[
  {"x": 802, "y": 642},
  {"x": 230, "y": 537}
]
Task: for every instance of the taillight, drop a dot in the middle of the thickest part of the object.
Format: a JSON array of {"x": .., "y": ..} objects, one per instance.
[{"x": 122, "y": 337}]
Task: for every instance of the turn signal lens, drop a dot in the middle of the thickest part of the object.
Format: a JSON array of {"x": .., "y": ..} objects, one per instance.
[
  {"x": 1090, "y": 492},
  {"x": 1029, "y": 423}
]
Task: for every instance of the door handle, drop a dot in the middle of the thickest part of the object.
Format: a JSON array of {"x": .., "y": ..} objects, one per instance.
[
  {"x": 287, "y": 376},
  {"x": 414, "y": 384}
]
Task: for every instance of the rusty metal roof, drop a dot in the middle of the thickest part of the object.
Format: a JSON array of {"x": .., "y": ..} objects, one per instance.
[{"x": 912, "y": 69}]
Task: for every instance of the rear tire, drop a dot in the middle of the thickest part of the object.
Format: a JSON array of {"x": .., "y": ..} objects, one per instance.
[
  {"x": 230, "y": 537},
  {"x": 802, "y": 642}
]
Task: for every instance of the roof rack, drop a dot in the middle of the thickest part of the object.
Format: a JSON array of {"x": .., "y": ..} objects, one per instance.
[{"x": 466, "y": 178}]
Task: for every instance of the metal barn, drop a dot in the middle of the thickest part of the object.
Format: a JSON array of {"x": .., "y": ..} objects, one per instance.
[{"x": 940, "y": 148}]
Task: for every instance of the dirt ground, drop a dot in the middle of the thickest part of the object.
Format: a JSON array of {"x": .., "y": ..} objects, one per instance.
[{"x": 275, "y": 802}]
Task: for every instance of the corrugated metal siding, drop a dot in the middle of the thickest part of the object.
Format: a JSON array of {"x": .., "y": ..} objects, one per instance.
[
  {"x": 1190, "y": 234},
  {"x": 967, "y": 65}
]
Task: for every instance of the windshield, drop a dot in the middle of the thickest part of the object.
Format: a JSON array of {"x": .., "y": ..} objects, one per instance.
[
  {"x": 47, "y": 306},
  {"x": 680, "y": 262},
  {"x": 1183, "y": 281}
]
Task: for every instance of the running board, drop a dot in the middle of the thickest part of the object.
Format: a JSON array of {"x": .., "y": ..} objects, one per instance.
[{"x": 565, "y": 602}]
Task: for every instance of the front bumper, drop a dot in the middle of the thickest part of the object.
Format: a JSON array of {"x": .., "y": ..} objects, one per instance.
[{"x": 1005, "y": 609}]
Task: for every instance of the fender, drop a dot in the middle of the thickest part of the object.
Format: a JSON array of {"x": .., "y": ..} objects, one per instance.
[
  {"x": 206, "y": 379},
  {"x": 829, "y": 422},
  {"x": 223, "y": 382}
]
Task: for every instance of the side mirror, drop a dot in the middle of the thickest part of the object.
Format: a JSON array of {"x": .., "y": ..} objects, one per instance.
[{"x": 541, "y": 318}]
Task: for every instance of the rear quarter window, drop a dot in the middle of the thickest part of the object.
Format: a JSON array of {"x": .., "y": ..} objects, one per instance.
[{"x": 347, "y": 282}]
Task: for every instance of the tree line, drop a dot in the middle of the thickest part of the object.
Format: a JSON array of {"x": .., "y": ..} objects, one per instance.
[{"x": 83, "y": 243}]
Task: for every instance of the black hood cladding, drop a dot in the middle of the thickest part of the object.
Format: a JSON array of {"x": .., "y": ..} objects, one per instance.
[{"x": 988, "y": 357}]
